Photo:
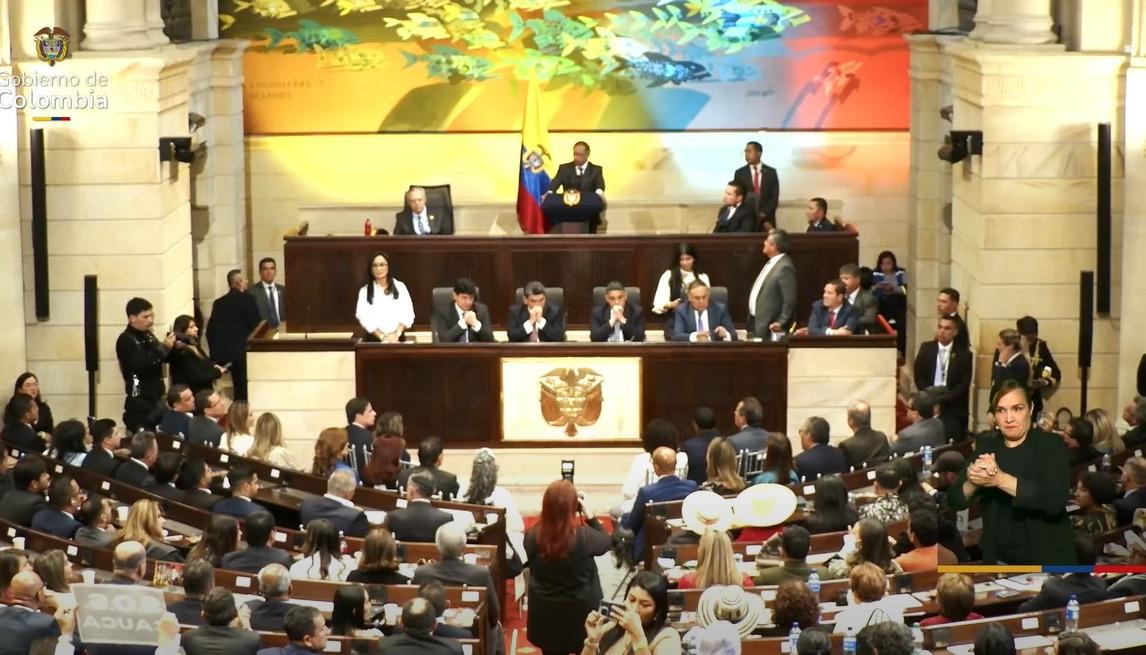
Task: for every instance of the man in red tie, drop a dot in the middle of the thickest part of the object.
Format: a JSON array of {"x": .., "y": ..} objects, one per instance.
[
  {"x": 832, "y": 315},
  {"x": 762, "y": 184}
]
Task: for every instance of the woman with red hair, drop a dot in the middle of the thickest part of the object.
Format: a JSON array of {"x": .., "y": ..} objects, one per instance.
[{"x": 563, "y": 583}]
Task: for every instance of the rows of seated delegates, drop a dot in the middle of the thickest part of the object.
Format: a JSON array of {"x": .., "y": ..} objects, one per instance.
[{"x": 726, "y": 542}]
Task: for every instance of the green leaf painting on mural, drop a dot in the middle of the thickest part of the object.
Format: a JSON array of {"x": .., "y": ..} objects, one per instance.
[{"x": 311, "y": 37}]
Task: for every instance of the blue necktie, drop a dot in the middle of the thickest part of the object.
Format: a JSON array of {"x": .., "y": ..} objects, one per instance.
[{"x": 423, "y": 224}]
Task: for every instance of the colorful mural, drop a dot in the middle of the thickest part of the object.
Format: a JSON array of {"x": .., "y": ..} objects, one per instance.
[{"x": 353, "y": 66}]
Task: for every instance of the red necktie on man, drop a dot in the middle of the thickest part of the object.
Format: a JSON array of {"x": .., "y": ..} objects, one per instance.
[
  {"x": 756, "y": 179},
  {"x": 832, "y": 320}
]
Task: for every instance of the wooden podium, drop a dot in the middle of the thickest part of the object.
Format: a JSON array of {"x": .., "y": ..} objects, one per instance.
[{"x": 580, "y": 218}]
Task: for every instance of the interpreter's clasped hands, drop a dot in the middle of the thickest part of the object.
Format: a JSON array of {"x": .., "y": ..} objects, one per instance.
[{"x": 984, "y": 471}]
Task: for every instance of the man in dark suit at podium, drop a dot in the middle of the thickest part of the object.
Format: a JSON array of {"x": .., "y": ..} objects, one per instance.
[
  {"x": 618, "y": 319},
  {"x": 583, "y": 176},
  {"x": 420, "y": 219},
  {"x": 817, "y": 214},
  {"x": 535, "y": 319},
  {"x": 762, "y": 185},
  {"x": 736, "y": 215}
]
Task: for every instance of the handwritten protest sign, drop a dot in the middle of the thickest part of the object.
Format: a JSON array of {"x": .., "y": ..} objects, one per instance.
[{"x": 119, "y": 614}]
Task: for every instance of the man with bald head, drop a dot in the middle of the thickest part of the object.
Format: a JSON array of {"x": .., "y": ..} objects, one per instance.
[
  {"x": 130, "y": 563},
  {"x": 866, "y": 446},
  {"x": 452, "y": 571},
  {"x": 666, "y": 487},
  {"x": 336, "y": 507},
  {"x": 417, "y": 638},
  {"x": 22, "y": 621}
]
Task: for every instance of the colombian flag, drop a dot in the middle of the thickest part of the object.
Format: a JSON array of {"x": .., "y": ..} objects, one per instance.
[{"x": 533, "y": 162}]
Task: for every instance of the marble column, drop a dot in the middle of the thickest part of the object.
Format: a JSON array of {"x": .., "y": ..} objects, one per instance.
[
  {"x": 1023, "y": 223},
  {"x": 1017, "y": 22},
  {"x": 116, "y": 25},
  {"x": 1132, "y": 338},
  {"x": 153, "y": 16},
  {"x": 12, "y": 337}
]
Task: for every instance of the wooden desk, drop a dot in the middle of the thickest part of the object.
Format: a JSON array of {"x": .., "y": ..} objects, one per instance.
[{"x": 325, "y": 273}]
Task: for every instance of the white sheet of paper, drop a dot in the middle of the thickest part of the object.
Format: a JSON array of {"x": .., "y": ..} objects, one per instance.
[
  {"x": 1032, "y": 641},
  {"x": 819, "y": 558},
  {"x": 990, "y": 585},
  {"x": 1118, "y": 638},
  {"x": 904, "y": 601},
  {"x": 376, "y": 516},
  {"x": 1024, "y": 582}
]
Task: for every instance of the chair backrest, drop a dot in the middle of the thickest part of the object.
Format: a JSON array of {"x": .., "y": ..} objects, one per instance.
[
  {"x": 553, "y": 295},
  {"x": 634, "y": 294},
  {"x": 437, "y": 195},
  {"x": 719, "y": 294},
  {"x": 751, "y": 464}
]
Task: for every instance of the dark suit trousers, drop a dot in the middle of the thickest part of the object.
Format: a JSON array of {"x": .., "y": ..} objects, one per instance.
[{"x": 239, "y": 377}]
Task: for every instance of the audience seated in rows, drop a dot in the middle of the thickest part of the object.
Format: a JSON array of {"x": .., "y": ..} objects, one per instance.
[
  {"x": 779, "y": 465},
  {"x": 1057, "y": 590},
  {"x": 331, "y": 450},
  {"x": 180, "y": 408},
  {"x": 869, "y": 545},
  {"x": 378, "y": 562},
  {"x": 322, "y": 558},
  {"x": 268, "y": 443},
  {"x": 1094, "y": 493},
  {"x": 819, "y": 457},
  {"x": 430, "y": 459},
  {"x": 220, "y": 634},
  {"x": 19, "y": 431},
  {"x": 955, "y": 595},
  {"x": 866, "y": 588},
  {"x": 64, "y": 501},
  {"x": 244, "y": 484},
  {"x": 219, "y": 538},
  {"x": 105, "y": 441},
  {"x": 926, "y": 428},
  {"x": 336, "y": 506},
  {"x": 866, "y": 446},
  {"x": 71, "y": 442},
  {"x": 715, "y": 564},
  {"x": 667, "y": 487},
  {"x": 30, "y": 480},
  {"x": 95, "y": 515},
  {"x": 657, "y": 433},
  {"x": 452, "y": 571},
  {"x": 387, "y": 451},
  {"x": 268, "y": 613},
  {"x": 695, "y": 448},
  {"x": 1134, "y": 489},
  {"x": 831, "y": 511},
  {"x": 351, "y": 605},
  {"x": 748, "y": 416},
  {"x": 204, "y": 426},
  {"x": 195, "y": 482},
  {"x": 793, "y": 544},
  {"x": 723, "y": 478},
  {"x": 198, "y": 580},
  {"x": 259, "y": 533},
  {"x": 136, "y": 471},
  {"x": 926, "y": 553}
]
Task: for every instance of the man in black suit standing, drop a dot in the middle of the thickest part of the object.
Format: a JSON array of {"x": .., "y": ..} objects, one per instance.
[
  {"x": 336, "y": 506},
  {"x": 618, "y": 319},
  {"x": 947, "y": 304},
  {"x": 259, "y": 533},
  {"x": 105, "y": 441},
  {"x": 141, "y": 357},
  {"x": 30, "y": 480},
  {"x": 582, "y": 176},
  {"x": 747, "y": 417},
  {"x": 233, "y": 316},
  {"x": 943, "y": 363},
  {"x": 696, "y": 448},
  {"x": 772, "y": 300},
  {"x": 419, "y": 219},
  {"x": 137, "y": 470},
  {"x": 736, "y": 215},
  {"x": 419, "y": 521},
  {"x": 467, "y": 320},
  {"x": 817, "y": 215},
  {"x": 360, "y": 417},
  {"x": 866, "y": 446},
  {"x": 64, "y": 501},
  {"x": 219, "y": 635},
  {"x": 430, "y": 460},
  {"x": 762, "y": 184},
  {"x": 451, "y": 571},
  {"x": 204, "y": 426},
  {"x": 702, "y": 320},
  {"x": 819, "y": 457},
  {"x": 535, "y": 319},
  {"x": 1010, "y": 364},
  {"x": 270, "y": 297}
]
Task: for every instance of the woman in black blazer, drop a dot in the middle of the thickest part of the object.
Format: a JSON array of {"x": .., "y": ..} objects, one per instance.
[{"x": 189, "y": 364}]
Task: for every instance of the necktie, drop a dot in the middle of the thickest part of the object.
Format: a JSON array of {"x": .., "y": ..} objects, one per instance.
[
  {"x": 700, "y": 326},
  {"x": 756, "y": 179},
  {"x": 618, "y": 335},
  {"x": 466, "y": 333},
  {"x": 533, "y": 336},
  {"x": 580, "y": 171},
  {"x": 728, "y": 216},
  {"x": 423, "y": 224},
  {"x": 273, "y": 311},
  {"x": 832, "y": 320},
  {"x": 941, "y": 367}
]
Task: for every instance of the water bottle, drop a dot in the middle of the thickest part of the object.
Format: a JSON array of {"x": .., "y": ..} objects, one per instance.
[
  {"x": 1106, "y": 464},
  {"x": 794, "y": 636},
  {"x": 814, "y": 583},
  {"x": 367, "y": 228},
  {"x": 927, "y": 459},
  {"x": 343, "y": 548},
  {"x": 1072, "y": 614},
  {"x": 917, "y": 638},
  {"x": 850, "y": 641}
]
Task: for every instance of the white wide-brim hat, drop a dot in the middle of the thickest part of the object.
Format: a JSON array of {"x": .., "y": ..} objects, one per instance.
[
  {"x": 706, "y": 510},
  {"x": 764, "y": 505}
]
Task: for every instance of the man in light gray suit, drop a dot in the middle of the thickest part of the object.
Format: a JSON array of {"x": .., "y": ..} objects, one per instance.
[
  {"x": 863, "y": 300},
  {"x": 270, "y": 297},
  {"x": 772, "y": 301},
  {"x": 927, "y": 429}
]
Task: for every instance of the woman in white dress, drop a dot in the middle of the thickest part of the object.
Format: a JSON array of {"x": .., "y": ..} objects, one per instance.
[
  {"x": 672, "y": 289},
  {"x": 238, "y": 437},
  {"x": 268, "y": 443},
  {"x": 384, "y": 307},
  {"x": 322, "y": 555}
]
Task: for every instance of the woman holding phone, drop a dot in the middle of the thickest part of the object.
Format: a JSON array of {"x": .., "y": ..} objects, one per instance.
[
  {"x": 188, "y": 363},
  {"x": 639, "y": 626},
  {"x": 563, "y": 581}
]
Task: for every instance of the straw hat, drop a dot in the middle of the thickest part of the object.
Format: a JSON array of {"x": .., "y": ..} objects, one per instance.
[
  {"x": 732, "y": 604},
  {"x": 706, "y": 510},
  {"x": 764, "y": 505}
]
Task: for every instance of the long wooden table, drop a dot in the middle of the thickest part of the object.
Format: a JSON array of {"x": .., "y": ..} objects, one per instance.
[{"x": 325, "y": 273}]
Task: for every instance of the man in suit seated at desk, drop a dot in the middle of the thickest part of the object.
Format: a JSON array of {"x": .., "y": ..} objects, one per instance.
[
  {"x": 269, "y": 612},
  {"x": 831, "y": 315},
  {"x": 336, "y": 507},
  {"x": 419, "y": 219},
  {"x": 702, "y": 319},
  {"x": 667, "y": 487},
  {"x": 535, "y": 319},
  {"x": 204, "y": 427},
  {"x": 64, "y": 501},
  {"x": 195, "y": 481},
  {"x": 735, "y": 215},
  {"x": 220, "y": 635},
  {"x": 177, "y": 420},
  {"x": 30, "y": 480},
  {"x": 22, "y": 618},
  {"x": 419, "y": 521},
  {"x": 819, "y": 457},
  {"x": 137, "y": 470},
  {"x": 817, "y": 214},
  {"x": 105, "y": 441},
  {"x": 451, "y": 570},
  {"x": 926, "y": 429},
  {"x": 618, "y": 319},
  {"x": 430, "y": 460},
  {"x": 582, "y": 176},
  {"x": 417, "y": 636},
  {"x": 467, "y": 320},
  {"x": 244, "y": 485},
  {"x": 259, "y": 533}
]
